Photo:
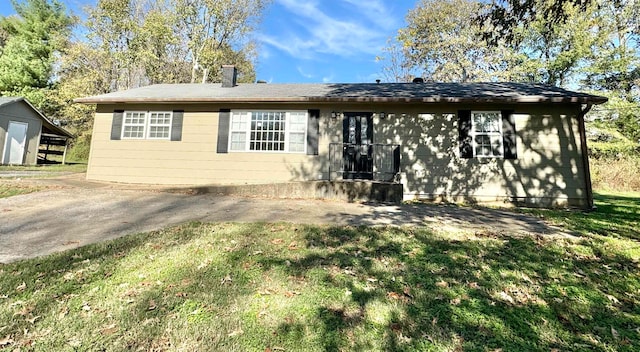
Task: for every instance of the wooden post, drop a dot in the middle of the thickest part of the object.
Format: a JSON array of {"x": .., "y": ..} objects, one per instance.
[{"x": 64, "y": 154}]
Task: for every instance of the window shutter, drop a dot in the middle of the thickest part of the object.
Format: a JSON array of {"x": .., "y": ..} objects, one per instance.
[
  {"x": 224, "y": 117},
  {"x": 464, "y": 131},
  {"x": 176, "y": 125},
  {"x": 116, "y": 125},
  {"x": 509, "y": 136},
  {"x": 313, "y": 132}
]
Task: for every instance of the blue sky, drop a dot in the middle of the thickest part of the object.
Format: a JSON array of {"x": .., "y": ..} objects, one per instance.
[
  {"x": 316, "y": 40},
  {"x": 327, "y": 40}
]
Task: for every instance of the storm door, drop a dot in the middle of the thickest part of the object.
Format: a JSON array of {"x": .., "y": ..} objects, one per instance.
[
  {"x": 358, "y": 145},
  {"x": 15, "y": 143}
]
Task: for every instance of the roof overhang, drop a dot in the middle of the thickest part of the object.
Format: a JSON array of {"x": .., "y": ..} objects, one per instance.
[
  {"x": 46, "y": 123},
  {"x": 429, "y": 100}
]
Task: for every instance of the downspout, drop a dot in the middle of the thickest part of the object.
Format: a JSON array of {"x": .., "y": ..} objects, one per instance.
[{"x": 585, "y": 156}]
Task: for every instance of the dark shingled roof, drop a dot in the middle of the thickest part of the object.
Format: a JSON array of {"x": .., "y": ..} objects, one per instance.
[{"x": 349, "y": 92}]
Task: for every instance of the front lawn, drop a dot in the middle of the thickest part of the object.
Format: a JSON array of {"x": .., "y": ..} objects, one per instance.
[{"x": 283, "y": 287}]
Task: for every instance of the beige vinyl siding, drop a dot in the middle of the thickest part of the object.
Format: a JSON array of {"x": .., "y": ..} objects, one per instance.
[
  {"x": 193, "y": 160},
  {"x": 548, "y": 171}
]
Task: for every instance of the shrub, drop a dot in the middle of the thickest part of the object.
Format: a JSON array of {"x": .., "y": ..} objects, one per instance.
[
  {"x": 79, "y": 150},
  {"x": 616, "y": 172}
]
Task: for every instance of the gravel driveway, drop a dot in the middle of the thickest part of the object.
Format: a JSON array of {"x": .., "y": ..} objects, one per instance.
[{"x": 76, "y": 212}]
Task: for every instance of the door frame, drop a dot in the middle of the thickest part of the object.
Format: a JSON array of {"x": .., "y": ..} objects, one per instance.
[
  {"x": 358, "y": 158},
  {"x": 7, "y": 146}
]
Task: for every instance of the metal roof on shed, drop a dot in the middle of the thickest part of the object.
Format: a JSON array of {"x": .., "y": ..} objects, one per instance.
[
  {"x": 491, "y": 92},
  {"x": 46, "y": 123}
]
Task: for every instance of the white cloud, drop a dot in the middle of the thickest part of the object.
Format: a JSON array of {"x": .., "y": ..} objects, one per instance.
[
  {"x": 374, "y": 10},
  {"x": 328, "y": 79},
  {"x": 303, "y": 73},
  {"x": 353, "y": 28}
]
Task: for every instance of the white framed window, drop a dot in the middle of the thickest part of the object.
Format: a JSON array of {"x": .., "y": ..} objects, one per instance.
[
  {"x": 268, "y": 131},
  {"x": 159, "y": 125},
  {"x": 486, "y": 132},
  {"x": 146, "y": 125},
  {"x": 133, "y": 125},
  {"x": 240, "y": 122}
]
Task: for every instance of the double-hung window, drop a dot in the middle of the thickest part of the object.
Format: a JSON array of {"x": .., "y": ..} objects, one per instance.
[
  {"x": 486, "y": 131},
  {"x": 270, "y": 131},
  {"x": 146, "y": 125},
  {"x": 133, "y": 125}
]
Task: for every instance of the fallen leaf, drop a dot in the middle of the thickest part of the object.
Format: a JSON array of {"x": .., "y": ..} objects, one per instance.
[
  {"x": 349, "y": 272},
  {"x": 33, "y": 320},
  {"x": 506, "y": 297},
  {"x": 181, "y": 294},
  {"x": 625, "y": 342},
  {"x": 226, "y": 279},
  {"x": 614, "y": 333},
  {"x": 21, "y": 287},
  {"x": 407, "y": 292},
  {"x": 152, "y": 305},
  {"x": 455, "y": 301},
  {"x": 442, "y": 284},
  {"x": 613, "y": 299},
  {"x": 25, "y": 310},
  {"x": 86, "y": 307},
  {"x": 63, "y": 313},
  {"x": 290, "y": 294},
  {"x": 293, "y": 246},
  {"x": 74, "y": 342},
  {"x": 473, "y": 285},
  {"x": 109, "y": 329},
  {"x": 6, "y": 341},
  {"x": 131, "y": 293},
  {"x": 393, "y": 295},
  {"x": 277, "y": 241}
]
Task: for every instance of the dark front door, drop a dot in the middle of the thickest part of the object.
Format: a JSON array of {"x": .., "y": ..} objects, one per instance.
[{"x": 358, "y": 145}]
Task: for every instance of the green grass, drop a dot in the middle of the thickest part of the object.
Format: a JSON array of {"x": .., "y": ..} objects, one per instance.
[
  {"x": 617, "y": 216},
  {"x": 71, "y": 167},
  {"x": 10, "y": 189},
  {"x": 283, "y": 287}
]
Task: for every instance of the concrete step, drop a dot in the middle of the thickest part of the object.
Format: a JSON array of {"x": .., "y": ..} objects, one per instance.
[{"x": 349, "y": 191}]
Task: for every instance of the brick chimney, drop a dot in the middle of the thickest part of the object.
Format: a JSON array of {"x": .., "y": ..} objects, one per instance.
[{"x": 229, "y": 76}]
